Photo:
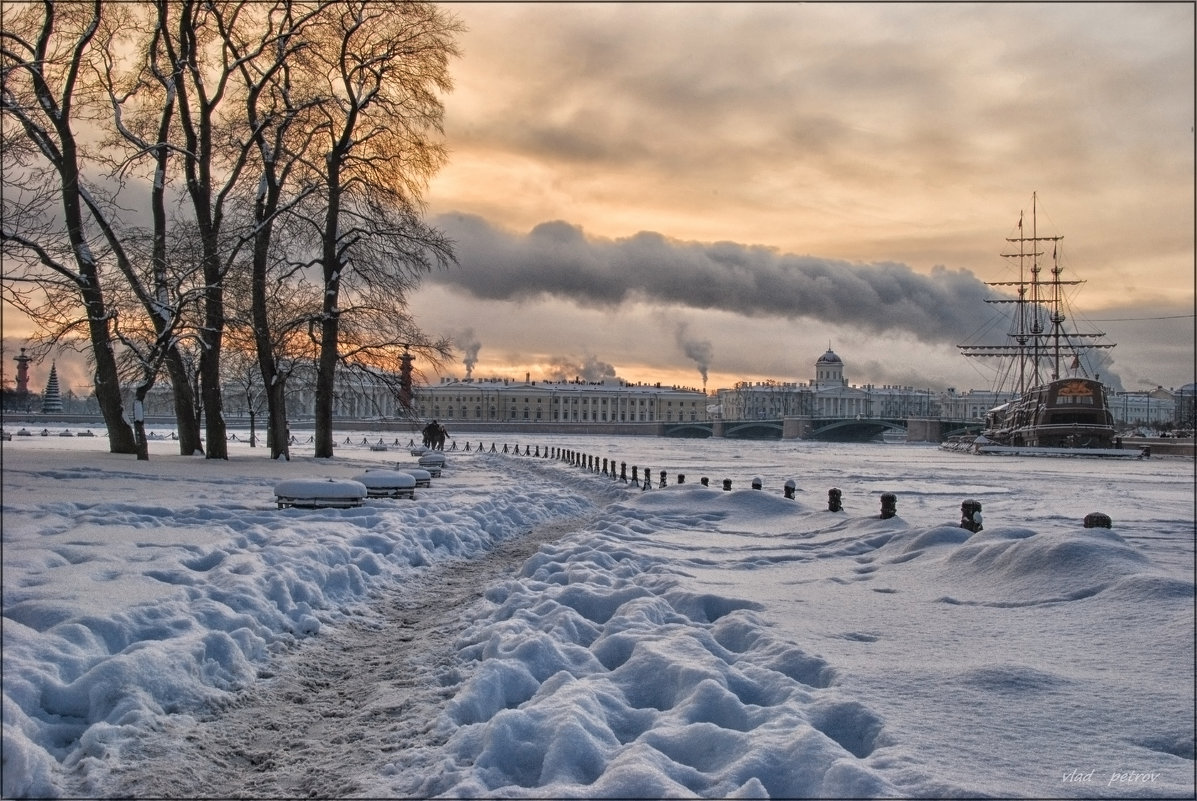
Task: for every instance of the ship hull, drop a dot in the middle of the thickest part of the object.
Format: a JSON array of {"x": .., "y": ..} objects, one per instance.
[{"x": 1067, "y": 417}]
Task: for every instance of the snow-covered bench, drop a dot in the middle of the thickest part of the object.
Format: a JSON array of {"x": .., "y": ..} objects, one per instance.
[
  {"x": 388, "y": 484},
  {"x": 423, "y": 477},
  {"x": 433, "y": 462},
  {"x": 315, "y": 493}
]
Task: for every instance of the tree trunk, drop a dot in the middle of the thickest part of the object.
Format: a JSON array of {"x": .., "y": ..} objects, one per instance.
[
  {"x": 190, "y": 442},
  {"x": 218, "y": 447},
  {"x": 143, "y": 445},
  {"x": 210, "y": 339},
  {"x": 280, "y": 431},
  {"x": 326, "y": 370}
]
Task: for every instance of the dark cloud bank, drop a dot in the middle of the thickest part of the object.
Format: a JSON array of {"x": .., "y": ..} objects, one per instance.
[{"x": 556, "y": 259}]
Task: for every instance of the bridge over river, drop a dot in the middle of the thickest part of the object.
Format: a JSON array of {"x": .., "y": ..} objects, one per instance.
[{"x": 828, "y": 429}]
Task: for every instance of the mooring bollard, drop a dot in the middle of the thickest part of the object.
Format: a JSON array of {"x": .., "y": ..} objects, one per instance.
[
  {"x": 790, "y": 486},
  {"x": 970, "y": 515},
  {"x": 757, "y": 482},
  {"x": 727, "y": 485},
  {"x": 706, "y": 482},
  {"x": 635, "y": 476},
  {"x": 681, "y": 478},
  {"x": 833, "y": 500},
  {"x": 648, "y": 479},
  {"x": 1098, "y": 520},
  {"x": 662, "y": 478},
  {"x": 889, "y": 505},
  {"x": 623, "y": 472}
]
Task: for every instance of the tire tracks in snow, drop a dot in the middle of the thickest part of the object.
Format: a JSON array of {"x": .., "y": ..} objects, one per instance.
[{"x": 364, "y": 694}]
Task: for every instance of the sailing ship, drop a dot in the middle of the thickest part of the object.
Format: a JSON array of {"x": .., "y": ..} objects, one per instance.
[{"x": 1057, "y": 408}]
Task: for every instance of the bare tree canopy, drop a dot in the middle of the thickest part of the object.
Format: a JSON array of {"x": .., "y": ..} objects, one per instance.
[{"x": 280, "y": 148}]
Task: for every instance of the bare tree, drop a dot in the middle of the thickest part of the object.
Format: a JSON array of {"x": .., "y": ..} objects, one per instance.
[
  {"x": 50, "y": 233},
  {"x": 142, "y": 102},
  {"x": 379, "y": 70}
]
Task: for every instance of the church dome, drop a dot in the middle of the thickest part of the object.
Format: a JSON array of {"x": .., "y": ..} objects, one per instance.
[{"x": 829, "y": 358}]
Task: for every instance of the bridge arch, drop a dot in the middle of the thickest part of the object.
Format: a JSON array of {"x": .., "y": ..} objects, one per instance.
[
  {"x": 853, "y": 430},
  {"x": 689, "y": 430},
  {"x": 753, "y": 429}
]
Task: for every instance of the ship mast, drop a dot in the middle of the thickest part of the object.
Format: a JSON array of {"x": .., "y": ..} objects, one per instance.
[{"x": 1033, "y": 347}]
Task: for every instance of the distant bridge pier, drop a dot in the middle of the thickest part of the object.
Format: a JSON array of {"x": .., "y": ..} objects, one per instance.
[
  {"x": 796, "y": 427},
  {"x": 925, "y": 429},
  {"x": 717, "y": 427}
]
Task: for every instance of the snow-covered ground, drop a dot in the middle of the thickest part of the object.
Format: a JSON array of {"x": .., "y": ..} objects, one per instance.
[{"x": 672, "y": 642}]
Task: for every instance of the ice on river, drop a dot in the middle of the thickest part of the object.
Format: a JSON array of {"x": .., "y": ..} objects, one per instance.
[{"x": 682, "y": 641}]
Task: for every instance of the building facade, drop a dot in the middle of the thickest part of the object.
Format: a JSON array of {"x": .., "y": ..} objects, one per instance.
[
  {"x": 610, "y": 401},
  {"x": 827, "y": 395}
]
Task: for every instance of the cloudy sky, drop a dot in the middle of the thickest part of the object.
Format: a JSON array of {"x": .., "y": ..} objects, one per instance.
[
  {"x": 678, "y": 192},
  {"x": 659, "y": 190}
]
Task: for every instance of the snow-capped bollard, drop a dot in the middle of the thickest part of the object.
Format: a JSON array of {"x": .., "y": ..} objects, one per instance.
[
  {"x": 757, "y": 482},
  {"x": 388, "y": 484},
  {"x": 1098, "y": 520},
  {"x": 623, "y": 472},
  {"x": 970, "y": 515},
  {"x": 317, "y": 494},
  {"x": 889, "y": 505},
  {"x": 833, "y": 500},
  {"x": 727, "y": 485},
  {"x": 662, "y": 478},
  {"x": 635, "y": 475},
  {"x": 790, "y": 487}
]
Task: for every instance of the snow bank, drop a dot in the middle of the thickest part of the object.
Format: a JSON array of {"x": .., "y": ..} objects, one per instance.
[
  {"x": 600, "y": 675},
  {"x": 120, "y": 611}
]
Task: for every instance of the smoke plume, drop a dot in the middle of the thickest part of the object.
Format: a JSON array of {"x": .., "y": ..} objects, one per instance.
[
  {"x": 699, "y": 350},
  {"x": 470, "y": 346},
  {"x": 564, "y": 368},
  {"x": 556, "y": 259}
]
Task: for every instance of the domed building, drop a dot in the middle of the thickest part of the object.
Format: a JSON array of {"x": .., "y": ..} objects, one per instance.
[
  {"x": 829, "y": 369},
  {"x": 827, "y": 395}
]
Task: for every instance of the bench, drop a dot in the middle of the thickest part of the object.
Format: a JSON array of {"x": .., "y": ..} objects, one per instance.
[
  {"x": 314, "y": 493},
  {"x": 432, "y": 462},
  {"x": 388, "y": 484}
]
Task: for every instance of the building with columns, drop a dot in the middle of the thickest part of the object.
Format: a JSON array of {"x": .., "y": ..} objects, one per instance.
[{"x": 609, "y": 401}]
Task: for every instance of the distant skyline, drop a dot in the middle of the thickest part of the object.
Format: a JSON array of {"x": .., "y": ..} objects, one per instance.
[{"x": 663, "y": 191}]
